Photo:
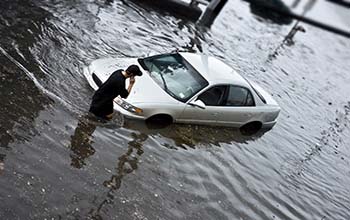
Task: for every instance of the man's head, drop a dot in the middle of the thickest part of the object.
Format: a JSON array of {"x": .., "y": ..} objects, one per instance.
[{"x": 133, "y": 70}]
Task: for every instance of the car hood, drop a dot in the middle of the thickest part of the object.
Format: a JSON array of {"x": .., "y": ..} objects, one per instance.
[{"x": 145, "y": 89}]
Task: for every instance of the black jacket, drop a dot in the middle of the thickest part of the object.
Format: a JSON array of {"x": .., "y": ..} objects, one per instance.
[{"x": 102, "y": 101}]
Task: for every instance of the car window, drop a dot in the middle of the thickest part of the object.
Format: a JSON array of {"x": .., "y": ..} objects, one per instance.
[
  {"x": 213, "y": 96},
  {"x": 239, "y": 96},
  {"x": 175, "y": 75}
]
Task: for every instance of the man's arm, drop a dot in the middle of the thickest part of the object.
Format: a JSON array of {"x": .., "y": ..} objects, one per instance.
[{"x": 131, "y": 84}]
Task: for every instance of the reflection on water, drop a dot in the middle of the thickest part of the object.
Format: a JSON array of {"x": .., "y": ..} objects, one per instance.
[
  {"x": 287, "y": 41},
  {"x": 184, "y": 137},
  {"x": 192, "y": 136},
  {"x": 289, "y": 38},
  {"x": 181, "y": 9},
  {"x": 81, "y": 140},
  {"x": 2, "y": 165},
  {"x": 127, "y": 163},
  {"x": 195, "y": 43},
  {"x": 258, "y": 8}
]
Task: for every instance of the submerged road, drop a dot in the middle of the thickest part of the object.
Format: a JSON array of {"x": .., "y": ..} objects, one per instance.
[{"x": 56, "y": 163}]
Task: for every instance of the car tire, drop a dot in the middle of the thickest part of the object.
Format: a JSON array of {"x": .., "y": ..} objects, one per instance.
[
  {"x": 251, "y": 128},
  {"x": 159, "y": 121}
]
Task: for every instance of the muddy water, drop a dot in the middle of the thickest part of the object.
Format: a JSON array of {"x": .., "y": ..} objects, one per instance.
[{"x": 58, "y": 163}]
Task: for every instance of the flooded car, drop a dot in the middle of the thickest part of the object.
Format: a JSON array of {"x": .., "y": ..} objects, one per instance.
[{"x": 189, "y": 88}]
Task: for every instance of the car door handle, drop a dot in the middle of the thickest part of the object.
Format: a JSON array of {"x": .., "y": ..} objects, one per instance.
[
  {"x": 248, "y": 114},
  {"x": 215, "y": 114}
]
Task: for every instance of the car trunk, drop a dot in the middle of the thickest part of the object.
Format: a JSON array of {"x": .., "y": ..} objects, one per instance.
[{"x": 263, "y": 94}]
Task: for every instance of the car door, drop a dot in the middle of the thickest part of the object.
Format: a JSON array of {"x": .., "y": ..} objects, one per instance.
[
  {"x": 212, "y": 98},
  {"x": 238, "y": 107}
]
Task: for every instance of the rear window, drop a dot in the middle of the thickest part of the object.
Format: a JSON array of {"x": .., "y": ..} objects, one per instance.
[{"x": 258, "y": 93}]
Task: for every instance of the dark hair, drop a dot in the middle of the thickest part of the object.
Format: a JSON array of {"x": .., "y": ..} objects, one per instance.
[{"x": 135, "y": 70}]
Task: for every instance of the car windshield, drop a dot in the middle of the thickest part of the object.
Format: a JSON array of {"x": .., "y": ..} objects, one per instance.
[{"x": 175, "y": 75}]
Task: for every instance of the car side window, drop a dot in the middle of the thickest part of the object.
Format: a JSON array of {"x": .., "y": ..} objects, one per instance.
[
  {"x": 239, "y": 96},
  {"x": 213, "y": 96}
]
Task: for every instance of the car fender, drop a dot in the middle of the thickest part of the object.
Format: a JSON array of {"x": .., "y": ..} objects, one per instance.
[{"x": 151, "y": 109}]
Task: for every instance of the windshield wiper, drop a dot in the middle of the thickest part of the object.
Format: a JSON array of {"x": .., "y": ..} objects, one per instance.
[
  {"x": 166, "y": 86},
  {"x": 164, "y": 83}
]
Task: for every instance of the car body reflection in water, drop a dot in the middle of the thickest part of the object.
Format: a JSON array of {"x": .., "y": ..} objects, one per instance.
[
  {"x": 190, "y": 135},
  {"x": 183, "y": 136}
]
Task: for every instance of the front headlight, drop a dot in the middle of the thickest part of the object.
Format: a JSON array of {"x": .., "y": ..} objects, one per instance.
[{"x": 127, "y": 106}]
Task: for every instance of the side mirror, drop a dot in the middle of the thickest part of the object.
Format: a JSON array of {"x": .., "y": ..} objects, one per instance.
[{"x": 198, "y": 103}]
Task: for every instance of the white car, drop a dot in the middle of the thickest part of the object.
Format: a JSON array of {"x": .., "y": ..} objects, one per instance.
[{"x": 188, "y": 88}]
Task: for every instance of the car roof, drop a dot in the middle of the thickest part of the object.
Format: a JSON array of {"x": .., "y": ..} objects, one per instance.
[{"x": 214, "y": 70}]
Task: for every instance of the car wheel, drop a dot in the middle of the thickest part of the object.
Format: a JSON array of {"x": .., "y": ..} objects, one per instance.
[
  {"x": 251, "y": 128},
  {"x": 159, "y": 121}
]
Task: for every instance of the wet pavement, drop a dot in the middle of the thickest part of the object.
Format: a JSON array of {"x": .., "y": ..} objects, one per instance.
[{"x": 56, "y": 162}]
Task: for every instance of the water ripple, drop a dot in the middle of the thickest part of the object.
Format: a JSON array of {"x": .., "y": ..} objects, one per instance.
[{"x": 64, "y": 164}]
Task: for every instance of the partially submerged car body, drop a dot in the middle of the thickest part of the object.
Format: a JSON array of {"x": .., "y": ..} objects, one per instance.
[{"x": 189, "y": 88}]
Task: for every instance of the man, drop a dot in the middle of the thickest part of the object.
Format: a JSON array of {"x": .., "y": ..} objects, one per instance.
[{"x": 102, "y": 101}]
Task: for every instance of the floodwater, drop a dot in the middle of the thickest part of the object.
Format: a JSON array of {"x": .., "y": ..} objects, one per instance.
[{"x": 58, "y": 163}]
